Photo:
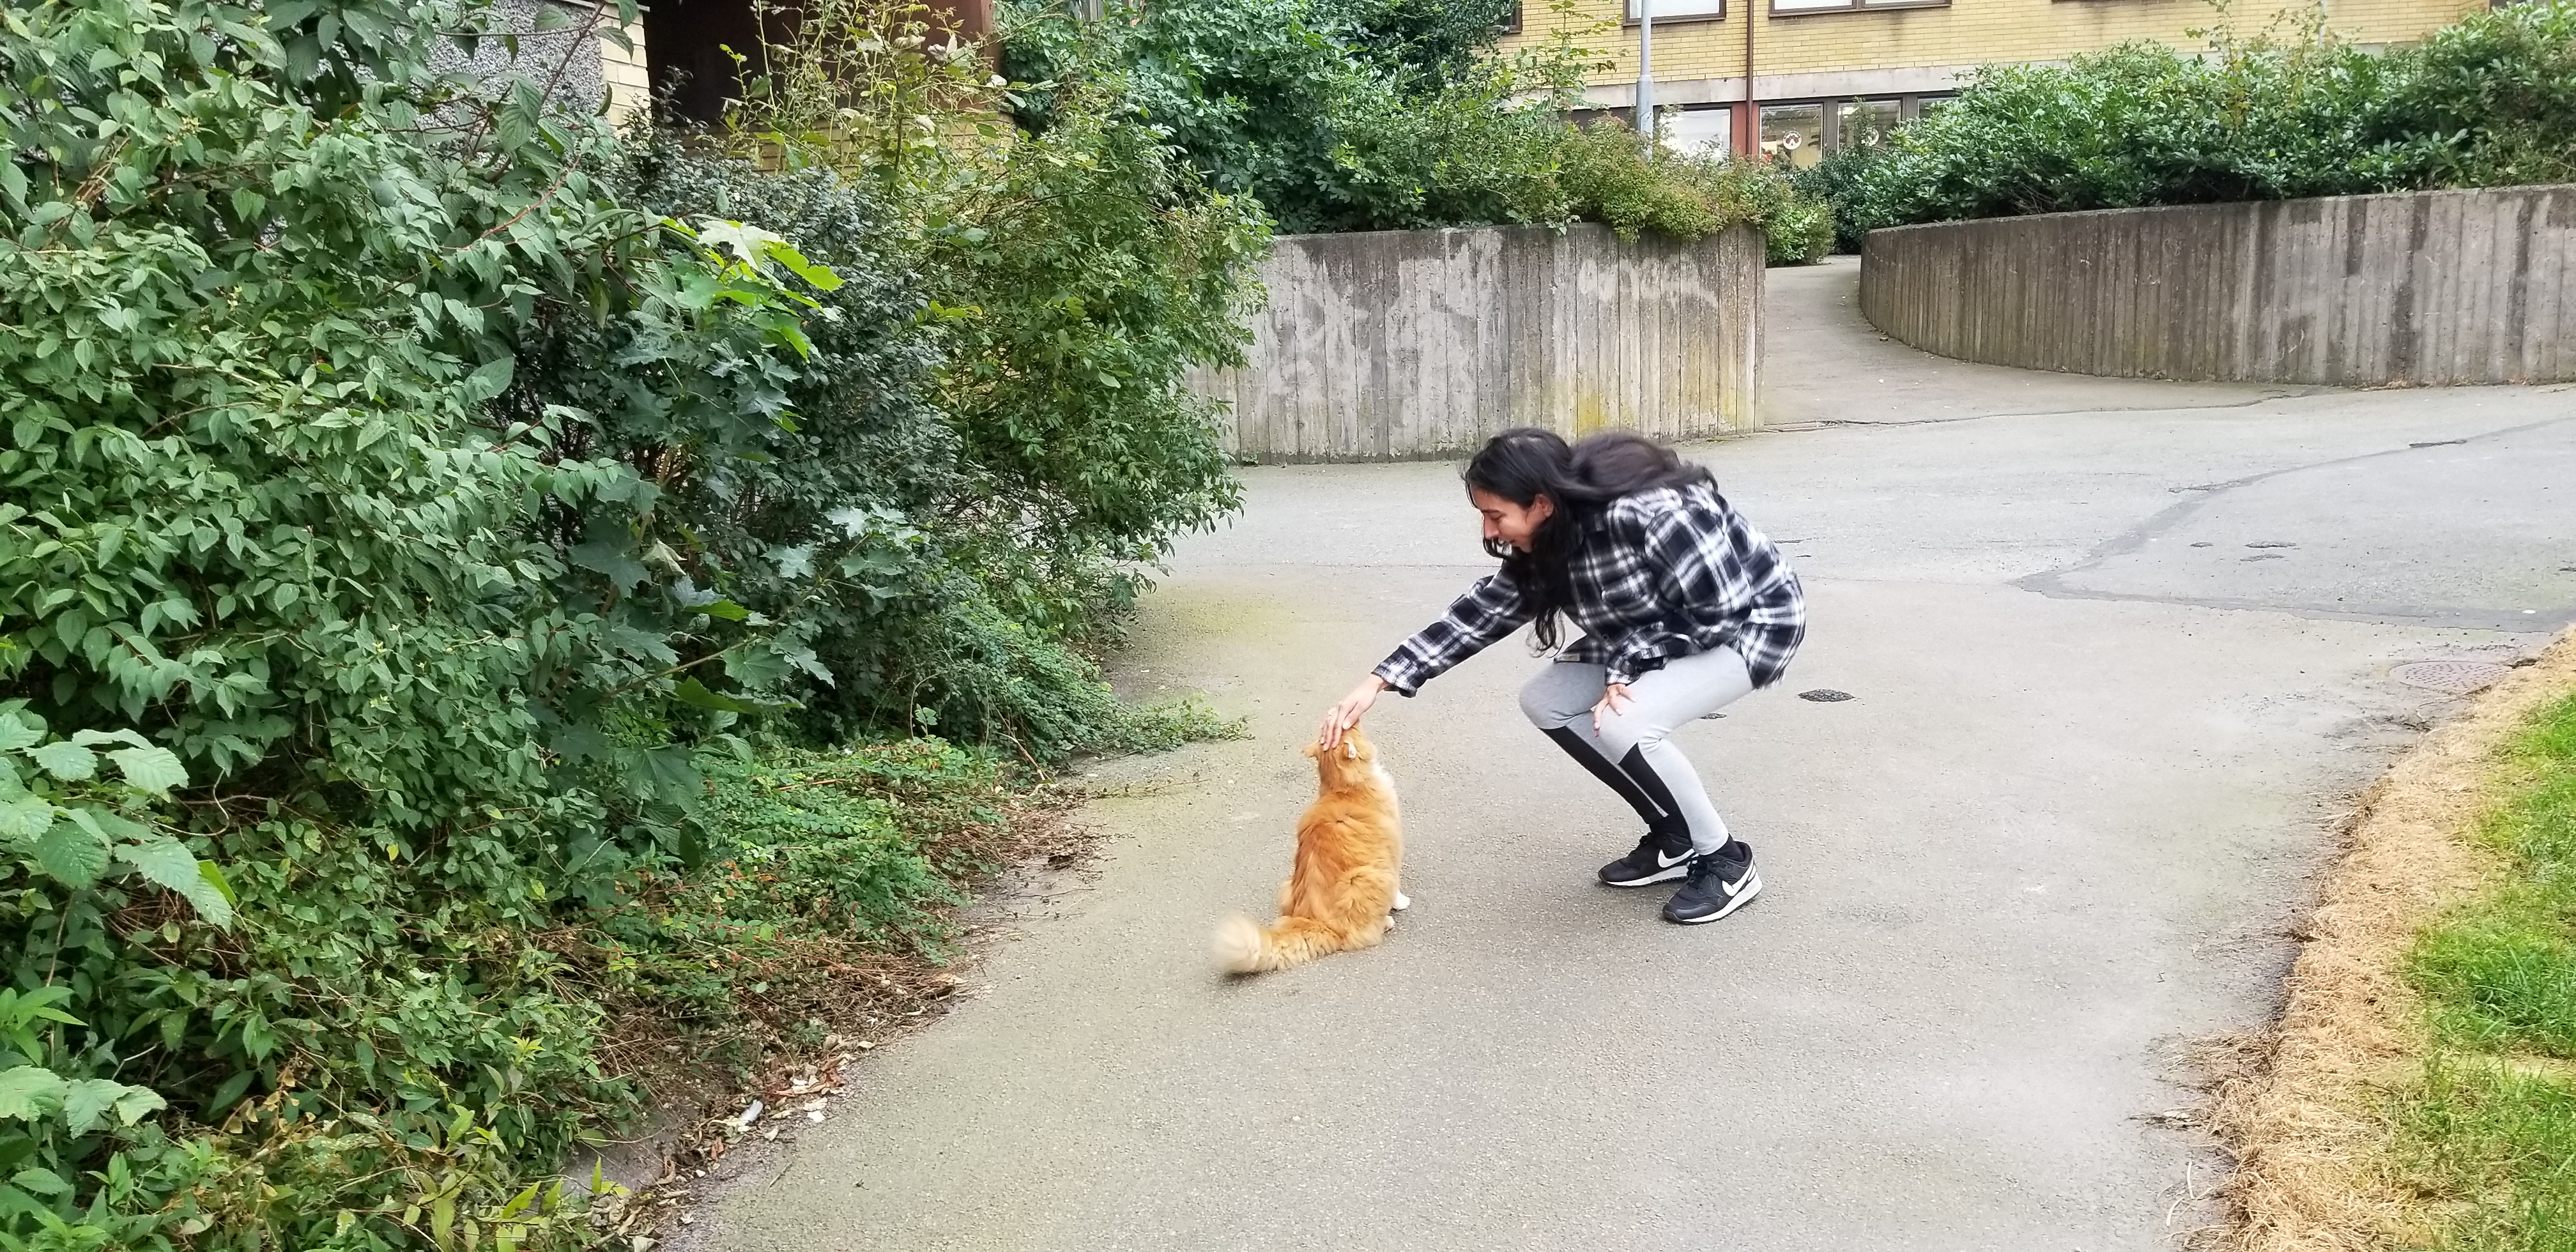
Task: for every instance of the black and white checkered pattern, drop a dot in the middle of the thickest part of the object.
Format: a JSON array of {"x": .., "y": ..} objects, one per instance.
[{"x": 1656, "y": 575}]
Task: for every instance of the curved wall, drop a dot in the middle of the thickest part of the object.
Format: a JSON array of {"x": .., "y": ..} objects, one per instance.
[
  {"x": 1397, "y": 345},
  {"x": 2440, "y": 287}
]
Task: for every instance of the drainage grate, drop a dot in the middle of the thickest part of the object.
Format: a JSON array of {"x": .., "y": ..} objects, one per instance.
[
  {"x": 2457, "y": 678},
  {"x": 1825, "y": 695}
]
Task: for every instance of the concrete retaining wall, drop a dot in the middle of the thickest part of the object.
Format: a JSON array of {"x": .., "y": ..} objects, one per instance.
[
  {"x": 2441, "y": 287},
  {"x": 1409, "y": 344}
]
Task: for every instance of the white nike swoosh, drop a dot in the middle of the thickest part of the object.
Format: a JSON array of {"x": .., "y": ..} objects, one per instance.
[
  {"x": 1737, "y": 885},
  {"x": 1667, "y": 862}
]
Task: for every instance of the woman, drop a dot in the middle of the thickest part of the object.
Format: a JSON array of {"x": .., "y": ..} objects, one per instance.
[{"x": 1684, "y": 608}]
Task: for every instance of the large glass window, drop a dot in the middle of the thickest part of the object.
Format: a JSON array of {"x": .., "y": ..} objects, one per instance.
[
  {"x": 1865, "y": 123},
  {"x": 1794, "y": 132},
  {"x": 1699, "y": 130},
  {"x": 1678, "y": 10}
]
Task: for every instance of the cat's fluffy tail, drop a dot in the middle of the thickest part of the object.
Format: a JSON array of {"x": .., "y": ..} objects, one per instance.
[{"x": 1245, "y": 948}]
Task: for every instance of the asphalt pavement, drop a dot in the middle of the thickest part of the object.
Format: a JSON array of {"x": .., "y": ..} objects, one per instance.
[{"x": 2119, "y": 654}]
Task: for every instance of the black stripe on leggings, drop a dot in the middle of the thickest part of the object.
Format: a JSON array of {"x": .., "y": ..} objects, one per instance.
[
  {"x": 1634, "y": 766},
  {"x": 1581, "y": 750}
]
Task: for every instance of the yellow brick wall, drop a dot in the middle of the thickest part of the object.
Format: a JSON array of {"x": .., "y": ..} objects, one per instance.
[
  {"x": 630, "y": 88},
  {"x": 1965, "y": 32}
]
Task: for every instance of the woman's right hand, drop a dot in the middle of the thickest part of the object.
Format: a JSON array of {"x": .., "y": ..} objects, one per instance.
[{"x": 1347, "y": 714}]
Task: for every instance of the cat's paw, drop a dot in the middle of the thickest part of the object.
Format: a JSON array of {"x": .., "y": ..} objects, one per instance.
[{"x": 1402, "y": 902}]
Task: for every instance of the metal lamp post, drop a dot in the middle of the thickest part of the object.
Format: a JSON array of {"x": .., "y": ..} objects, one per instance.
[{"x": 1646, "y": 68}]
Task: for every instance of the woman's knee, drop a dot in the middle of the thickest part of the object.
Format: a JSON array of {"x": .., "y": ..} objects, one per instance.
[{"x": 1553, "y": 697}]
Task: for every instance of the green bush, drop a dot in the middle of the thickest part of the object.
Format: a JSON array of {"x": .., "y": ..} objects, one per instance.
[
  {"x": 1288, "y": 103},
  {"x": 1064, "y": 283},
  {"x": 1610, "y": 176},
  {"x": 1836, "y": 181},
  {"x": 1296, "y": 105},
  {"x": 2487, "y": 101},
  {"x": 440, "y": 488}
]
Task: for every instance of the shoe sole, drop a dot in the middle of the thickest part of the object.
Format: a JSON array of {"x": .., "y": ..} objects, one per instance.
[
  {"x": 1752, "y": 888},
  {"x": 1661, "y": 875}
]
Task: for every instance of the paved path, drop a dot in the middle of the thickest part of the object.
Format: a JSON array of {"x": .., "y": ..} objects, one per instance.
[{"x": 2097, "y": 742}]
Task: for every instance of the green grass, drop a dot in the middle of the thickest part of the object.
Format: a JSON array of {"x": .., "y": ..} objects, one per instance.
[{"x": 2488, "y": 1135}]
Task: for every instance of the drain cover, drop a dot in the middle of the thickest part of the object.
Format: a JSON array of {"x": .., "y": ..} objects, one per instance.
[
  {"x": 2457, "y": 678},
  {"x": 1825, "y": 695}
]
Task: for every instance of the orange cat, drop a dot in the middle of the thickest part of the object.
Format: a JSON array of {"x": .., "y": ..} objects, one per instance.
[{"x": 1349, "y": 845}]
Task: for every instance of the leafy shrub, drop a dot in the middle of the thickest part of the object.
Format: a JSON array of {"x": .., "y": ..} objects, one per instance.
[
  {"x": 1614, "y": 178},
  {"x": 1067, "y": 282},
  {"x": 2489, "y": 100},
  {"x": 1436, "y": 42},
  {"x": 1836, "y": 181},
  {"x": 1290, "y": 103},
  {"x": 1265, "y": 97},
  {"x": 441, "y": 485}
]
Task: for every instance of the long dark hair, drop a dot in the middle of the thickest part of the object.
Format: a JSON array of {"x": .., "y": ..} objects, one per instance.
[{"x": 1524, "y": 463}]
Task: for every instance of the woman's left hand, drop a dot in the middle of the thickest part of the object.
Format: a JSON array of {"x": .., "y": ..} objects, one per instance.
[{"x": 1612, "y": 697}]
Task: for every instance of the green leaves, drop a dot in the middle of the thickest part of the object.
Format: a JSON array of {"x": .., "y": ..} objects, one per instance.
[
  {"x": 89, "y": 1103},
  {"x": 74, "y": 828},
  {"x": 30, "y": 1093},
  {"x": 152, "y": 769},
  {"x": 166, "y": 863},
  {"x": 2260, "y": 118},
  {"x": 73, "y": 854},
  {"x": 490, "y": 379},
  {"x": 67, "y": 761}
]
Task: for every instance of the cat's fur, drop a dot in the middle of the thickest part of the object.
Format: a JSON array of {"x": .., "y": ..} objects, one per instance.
[{"x": 1350, "y": 844}]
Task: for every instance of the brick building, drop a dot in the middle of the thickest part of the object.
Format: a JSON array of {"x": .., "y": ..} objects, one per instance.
[{"x": 1829, "y": 72}]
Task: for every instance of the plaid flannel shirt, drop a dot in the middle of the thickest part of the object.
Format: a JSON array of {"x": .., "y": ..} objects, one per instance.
[{"x": 1657, "y": 575}]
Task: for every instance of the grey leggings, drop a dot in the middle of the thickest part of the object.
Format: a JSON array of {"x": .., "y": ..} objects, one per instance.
[{"x": 1632, "y": 752}]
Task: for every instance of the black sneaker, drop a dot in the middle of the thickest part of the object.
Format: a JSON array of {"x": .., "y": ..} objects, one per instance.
[
  {"x": 1663, "y": 855},
  {"x": 1718, "y": 884}
]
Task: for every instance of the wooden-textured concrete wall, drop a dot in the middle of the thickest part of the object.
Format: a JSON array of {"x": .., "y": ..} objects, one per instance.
[
  {"x": 2440, "y": 287},
  {"x": 1407, "y": 344}
]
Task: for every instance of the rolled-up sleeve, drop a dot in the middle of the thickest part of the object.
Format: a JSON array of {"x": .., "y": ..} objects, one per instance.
[{"x": 1491, "y": 609}]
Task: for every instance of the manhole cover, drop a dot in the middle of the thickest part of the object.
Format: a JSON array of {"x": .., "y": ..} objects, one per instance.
[
  {"x": 1825, "y": 695},
  {"x": 2457, "y": 678}
]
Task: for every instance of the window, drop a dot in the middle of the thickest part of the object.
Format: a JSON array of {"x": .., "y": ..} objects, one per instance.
[
  {"x": 1845, "y": 6},
  {"x": 1679, "y": 10},
  {"x": 1699, "y": 130},
  {"x": 1794, "y": 133},
  {"x": 1865, "y": 123},
  {"x": 1929, "y": 105}
]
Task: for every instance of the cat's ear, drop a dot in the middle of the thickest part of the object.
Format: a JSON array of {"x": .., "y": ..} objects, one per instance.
[{"x": 1311, "y": 750}]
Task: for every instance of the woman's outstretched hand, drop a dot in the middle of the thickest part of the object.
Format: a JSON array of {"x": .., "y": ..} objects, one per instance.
[{"x": 1348, "y": 713}]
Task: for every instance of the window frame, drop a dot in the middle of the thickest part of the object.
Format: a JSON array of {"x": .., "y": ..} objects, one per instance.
[
  {"x": 1854, "y": 6},
  {"x": 1727, "y": 109},
  {"x": 1630, "y": 21}
]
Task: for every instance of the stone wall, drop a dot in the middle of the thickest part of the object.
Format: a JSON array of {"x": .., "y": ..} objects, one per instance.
[
  {"x": 1410, "y": 344},
  {"x": 2443, "y": 287}
]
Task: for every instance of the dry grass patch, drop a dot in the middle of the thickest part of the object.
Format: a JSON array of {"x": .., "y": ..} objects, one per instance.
[{"x": 2329, "y": 1124}]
